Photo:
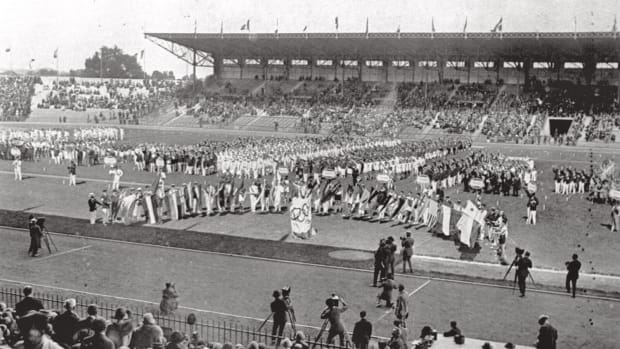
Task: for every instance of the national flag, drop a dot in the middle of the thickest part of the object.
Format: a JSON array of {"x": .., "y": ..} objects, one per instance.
[
  {"x": 398, "y": 29},
  {"x": 142, "y": 54},
  {"x": 247, "y": 26},
  {"x": 305, "y": 28},
  {"x": 465, "y": 26},
  {"x": 430, "y": 218},
  {"x": 56, "y": 53},
  {"x": 277, "y": 26},
  {"x": 7, "y": 50},
  {"x": 243, "y": 27},
  {"x": 467, "y": 224},
  {"x": 432, "y": 24},
  {"x": 336, "y": 21},
  {"x": 498, "y": 26}
]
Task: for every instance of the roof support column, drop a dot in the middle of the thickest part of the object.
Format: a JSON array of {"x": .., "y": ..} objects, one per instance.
[
  {"x": 413, "y": 63},
  {"x": 498, "y": 63},
  {"x": 468, "y": 63},
  {"x": 217, "y": 67},
  {"x": 589, "y": 69},
  {"x": 360, "y": 68},
  {"x": 263, "y": 63},
  {"x": 441, "y": 65},
  {"x": 241, "y": 67},
  {"x": 386, "y": 67},
  {"x": 527, "y": 65}
]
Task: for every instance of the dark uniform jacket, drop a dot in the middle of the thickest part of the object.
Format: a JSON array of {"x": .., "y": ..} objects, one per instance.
[{"x": 362, "y": 332}]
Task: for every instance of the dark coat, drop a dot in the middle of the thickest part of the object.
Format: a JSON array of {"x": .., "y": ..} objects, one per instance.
[{"x": 362, "y": 332}]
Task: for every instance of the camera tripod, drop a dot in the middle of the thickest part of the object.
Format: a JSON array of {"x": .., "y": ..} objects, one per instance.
[
  {"x": 347, "y": 338},
  {"x": 514, "y": 262},
  {"x": 291, "y": 318},
  {"x": 47, "y": 238}
]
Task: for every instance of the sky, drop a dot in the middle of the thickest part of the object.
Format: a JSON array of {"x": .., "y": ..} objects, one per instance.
[{"x": 34, "y": 29}]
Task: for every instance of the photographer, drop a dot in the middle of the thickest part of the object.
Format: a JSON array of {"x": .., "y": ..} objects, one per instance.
[
  {"x": 523, "y": 271},
  {"x": 573, "y": 274},
  {"x": 279, "y": 309},
  {"x": 332, "y": 314},
  {"x": 407, "y": 251}
]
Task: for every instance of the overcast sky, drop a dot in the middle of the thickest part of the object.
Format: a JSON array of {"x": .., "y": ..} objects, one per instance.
[{"x": 35, "y": 28}]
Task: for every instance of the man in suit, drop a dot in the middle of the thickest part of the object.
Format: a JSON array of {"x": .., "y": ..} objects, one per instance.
[
  {"x": 35, "y": 238},
  {"x": 362, "y": 332},
  {"x": 407, "y": 252},
  {"x": 28, "y": 303},
  {"x": 379, "y": 263},
  {"x": 65, "y": 325},
  {"x": 279, "y": 309},
  {"x": 85, "y": 326},
  {"x": 98, "y": 340},
  {"x": 547, "y": 334},
  {"x": 573, "y": 274},
  {"x": 523, "y": 270}
]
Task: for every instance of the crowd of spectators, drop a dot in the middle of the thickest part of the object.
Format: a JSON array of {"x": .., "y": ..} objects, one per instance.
[
  {"x": 15, "y": 97},
  {"x": 130, "y": 100}
]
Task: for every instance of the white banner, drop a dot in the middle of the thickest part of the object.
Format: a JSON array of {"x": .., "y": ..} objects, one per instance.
[
  {"x": 301, "y": 217},
  {"x": 423, "y": 180},
  {"x": 283, "y": 171},
  {"x": 531, "y": 187},
  {"x": 445, "y": 223},
  {"x": 329, "y": 174},
  {"x": 109, "y": 161},
  {"x": 476, "y": 183},
  {"x": 383, "y": 178}
]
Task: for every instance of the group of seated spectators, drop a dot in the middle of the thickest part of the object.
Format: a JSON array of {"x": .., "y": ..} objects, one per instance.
[
  {"x": 31, "y": 325},
  {"x": 15, "y": 97}
]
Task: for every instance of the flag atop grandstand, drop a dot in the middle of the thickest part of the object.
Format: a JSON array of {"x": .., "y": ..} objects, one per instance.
[
  {"x": 246, "y": 26},
  {"x": 398, "y": 29},
  {"x": 142, "y": 54},
  {"x": 56, "y": 53},
  {"x": 433, "y": 24},
  {"x": 305, "y": 28},
  {"x": 465, "y": 26},
  {"x": 366, "y": 26},
  {"x": 277, "y": 25},
  {"x": 336, "y": 21},
  {"x": 498, "y": 27},
  {"x": 614, "y": 29}
]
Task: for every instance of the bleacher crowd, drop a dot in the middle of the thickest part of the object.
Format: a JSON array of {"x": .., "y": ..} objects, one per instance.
[{"x": 15, "y": 97}]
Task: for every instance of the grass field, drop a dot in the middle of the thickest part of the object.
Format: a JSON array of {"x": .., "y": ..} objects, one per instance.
[{"x": 237, "y": 290}]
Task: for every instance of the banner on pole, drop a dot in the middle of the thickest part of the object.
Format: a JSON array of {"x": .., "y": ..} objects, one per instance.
[
  {"x": 329, "y": 174},
  {"x": 283, "y": 171},
  {"x": 383, "y": 178},
  {"x": 301, "y": 217},
  {"x": 476, "y": 183},
  {"x": 423, "y": 180},
  {"x": 531, "y": 187}
]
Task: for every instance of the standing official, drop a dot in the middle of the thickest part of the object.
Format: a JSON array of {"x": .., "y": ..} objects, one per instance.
[
  {"x": 72, "y": 173},
  {"x": 379, "y": 266},
  {"x": 523, "y": 271},
  {"x": 92, "y": 207},
  {"x": 279, "y": 309},
  {"x": 531, "y": 209},
  {"x": 573, "y": 274},
  {"x": 402, "y": 309},
  {"x": 407, "y": 252},
  {"x": 362, "y": 332},
  {"x": 35, "y": 238},
  {"x": 17, "y": 168}
]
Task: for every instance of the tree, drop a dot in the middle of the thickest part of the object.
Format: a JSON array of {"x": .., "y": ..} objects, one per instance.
[{"x": 116, "y": 64}]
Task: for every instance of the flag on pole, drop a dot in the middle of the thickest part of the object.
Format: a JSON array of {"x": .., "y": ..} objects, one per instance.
[
  {"x": 336, "y": 21},
  {"x": 222, "y": 28},
  {"x": 277, "y": 25},
  {"x": 243, "y": 27},
  {"x": 614, "y": 29},
  {"x": 248, "y": 25},
  {"x": 465, "y": 26},
  {"x": 467, "y": 224},
  {"x": 433, "y": 25},
  {"x": 366, "y": 26},
  {"x": 30, "y": 64},
  {"x": 498, "y": 26},
  {"x": 575, "y": 26},
  {"x": 8, "y": 49},
  {"x": 398, "y": 29},
  {"x": 142, "y": 54},
  {"x": 56, "y": 53},
  {"x": 305, "y": 28},
  {"x": 445, "y": 222}
]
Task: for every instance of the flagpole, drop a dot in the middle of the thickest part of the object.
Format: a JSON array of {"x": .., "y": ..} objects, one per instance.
[{"x": 57, "y": 69}]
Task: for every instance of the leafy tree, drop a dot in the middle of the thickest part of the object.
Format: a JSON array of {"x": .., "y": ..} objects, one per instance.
[{"x": 116, "y": 64}]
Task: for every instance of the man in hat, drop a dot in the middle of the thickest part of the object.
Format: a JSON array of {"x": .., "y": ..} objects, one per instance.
[
  {"x": 362, "y": 332},
  {"x": 523, "y": 270},
  {"x": 279, "y": 309},
  {"x": 35, "y": 237},
  {"x": 573, "y": 274},
  {"x": 547, "y": 334},
  {"x": 92, "y": 207}
]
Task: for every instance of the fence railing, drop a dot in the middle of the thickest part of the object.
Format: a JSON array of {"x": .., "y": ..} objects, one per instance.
[{"x": 209, "y": 330}]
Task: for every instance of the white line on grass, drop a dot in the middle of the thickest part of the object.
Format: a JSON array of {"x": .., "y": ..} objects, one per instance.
[
  {"x": 62, "y": 253},
  {"x": 409, "y": 295},
  {"x": 456, "y": 281}
]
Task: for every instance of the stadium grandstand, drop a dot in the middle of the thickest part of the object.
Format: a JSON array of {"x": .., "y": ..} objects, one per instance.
[{"x": 504, "y": 86}]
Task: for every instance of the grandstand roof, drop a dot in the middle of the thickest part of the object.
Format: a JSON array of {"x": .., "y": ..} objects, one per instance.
[{"x": 508, "y": 46}]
